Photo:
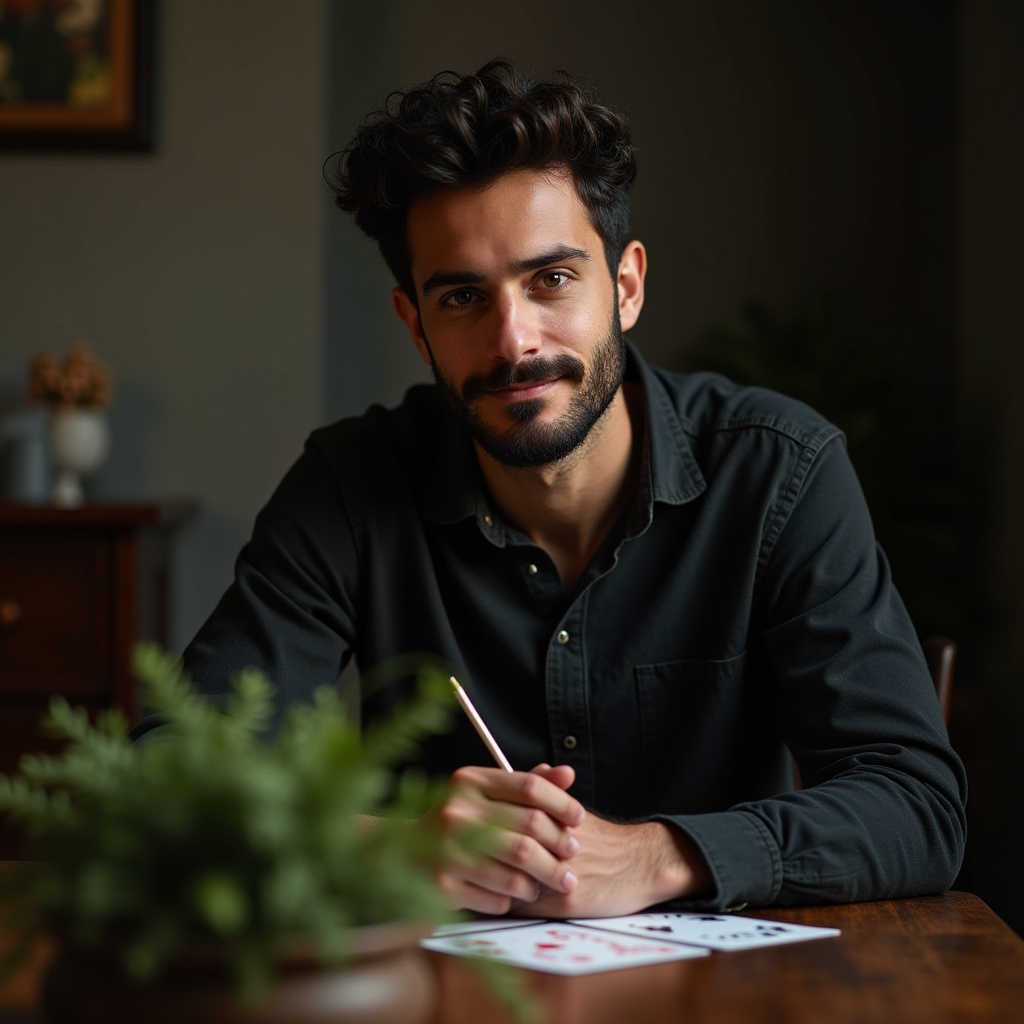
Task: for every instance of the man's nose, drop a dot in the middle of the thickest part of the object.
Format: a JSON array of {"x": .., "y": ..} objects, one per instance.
[{"x": 514, "y": 335}]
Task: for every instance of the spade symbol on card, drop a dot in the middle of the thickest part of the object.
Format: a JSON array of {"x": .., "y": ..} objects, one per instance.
[{"x": 656, "y": 928}]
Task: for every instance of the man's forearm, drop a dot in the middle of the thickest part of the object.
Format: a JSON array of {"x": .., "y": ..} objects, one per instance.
[{"x": 677, "y": 868}]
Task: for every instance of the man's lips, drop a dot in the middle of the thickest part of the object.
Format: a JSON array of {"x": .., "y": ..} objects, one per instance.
[{"x": 523, "y": 392}]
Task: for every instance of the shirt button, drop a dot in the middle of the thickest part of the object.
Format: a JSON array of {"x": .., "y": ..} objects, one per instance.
[
  {"x": 563, "y": 638},
  {"x": 488, "y": 520},
  {"x": 569, "y": 742},
  {"x": 532, "y": 570}
]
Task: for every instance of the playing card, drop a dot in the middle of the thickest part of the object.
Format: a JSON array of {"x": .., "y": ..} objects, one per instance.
[
  {"x": 715, "y": 931},
  {"x": 561, "y": 948},
  {"x": 484, "y": 924}
]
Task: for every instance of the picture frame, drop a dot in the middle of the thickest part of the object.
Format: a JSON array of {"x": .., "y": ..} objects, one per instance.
[{"x": 76, "y": 75}]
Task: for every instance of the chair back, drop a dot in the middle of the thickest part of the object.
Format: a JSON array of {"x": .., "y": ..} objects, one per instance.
[{"x": 940, "y": 653}]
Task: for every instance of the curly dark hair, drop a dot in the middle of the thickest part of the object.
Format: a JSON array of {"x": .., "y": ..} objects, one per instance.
[{"x": 460, "y": 130}]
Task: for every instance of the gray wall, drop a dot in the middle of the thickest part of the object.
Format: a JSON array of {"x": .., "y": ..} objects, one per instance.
[
  {"x": 368, "y": 356},
  {"x": 195, "y": 273}
]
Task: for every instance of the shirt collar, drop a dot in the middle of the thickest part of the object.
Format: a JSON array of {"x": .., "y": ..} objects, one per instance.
[
  {"x": 670, "y": 473},
  {"x": 456, "y": 490},
  {"x": 674, "y": 476}
]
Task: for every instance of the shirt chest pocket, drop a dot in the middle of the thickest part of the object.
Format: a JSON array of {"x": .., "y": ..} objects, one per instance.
[{"x": 690, "y": 729}]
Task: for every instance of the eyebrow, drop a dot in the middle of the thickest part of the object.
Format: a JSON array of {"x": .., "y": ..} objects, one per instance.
[{"x": 560, "y": 254}]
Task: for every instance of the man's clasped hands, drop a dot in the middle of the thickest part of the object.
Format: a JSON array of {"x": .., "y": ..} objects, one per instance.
[{"x": 550, "y": 857}]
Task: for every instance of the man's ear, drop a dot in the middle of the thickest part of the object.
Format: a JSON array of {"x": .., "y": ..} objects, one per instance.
[
  {"x": 410, "y": 316},
  {"x": 632, "y": 271}
]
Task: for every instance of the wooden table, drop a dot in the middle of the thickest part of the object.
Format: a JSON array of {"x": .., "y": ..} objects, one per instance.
[{"x": 935, "y": 959}]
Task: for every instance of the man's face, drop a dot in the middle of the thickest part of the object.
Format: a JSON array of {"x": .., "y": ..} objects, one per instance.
[{"x": 517, "y": 313}]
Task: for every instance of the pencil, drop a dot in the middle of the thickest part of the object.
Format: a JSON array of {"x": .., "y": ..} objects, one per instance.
[{"x": 478, "y": 724}]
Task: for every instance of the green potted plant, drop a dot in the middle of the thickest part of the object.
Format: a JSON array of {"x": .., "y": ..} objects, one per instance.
[{"x": 221, "y": 874}]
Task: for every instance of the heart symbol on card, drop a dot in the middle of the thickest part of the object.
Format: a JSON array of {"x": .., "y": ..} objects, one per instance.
[{"x": 549, "y": 945}]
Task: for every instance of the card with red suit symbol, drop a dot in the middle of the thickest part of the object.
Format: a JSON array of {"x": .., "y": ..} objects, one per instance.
[{"x": 561, "y": 948}]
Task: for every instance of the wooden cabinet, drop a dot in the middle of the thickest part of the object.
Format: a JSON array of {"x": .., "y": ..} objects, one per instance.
[{"x": 77, "y": 589}]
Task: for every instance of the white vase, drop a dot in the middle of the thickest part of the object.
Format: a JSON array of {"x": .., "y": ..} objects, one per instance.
[{"x": 79, "y": 439}]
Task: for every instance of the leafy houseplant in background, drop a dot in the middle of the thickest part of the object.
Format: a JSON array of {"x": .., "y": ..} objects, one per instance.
[
  {"x": 213, "y": 851},
  {"x": 893, "y": 427},
  {"x": 78, "y": 393}
]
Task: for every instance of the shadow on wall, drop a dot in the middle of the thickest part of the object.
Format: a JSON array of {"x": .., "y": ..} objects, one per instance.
[
  {"x": 204, "y": 557},
  {"x": 203, "y": 550},
  {"x": 134, "y": 416}
]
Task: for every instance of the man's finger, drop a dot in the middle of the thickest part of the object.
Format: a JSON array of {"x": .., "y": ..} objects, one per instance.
[
  {"x": 470, "y": 808},
  {"x": 517, "y": 866},
  {"x": 496, "y": 877},
  {"x": 463, "y": 895},
  {"x": 523, "y": 854},
  {"x": 561, "y": 775},
  {"x": 539, "y": 825},
  {"x": 525, "y": 788}
]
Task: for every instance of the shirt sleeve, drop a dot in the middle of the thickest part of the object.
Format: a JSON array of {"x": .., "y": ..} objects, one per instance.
[
  {"x": 289, "y": 611},
  {"x": 882, "y": 812}
]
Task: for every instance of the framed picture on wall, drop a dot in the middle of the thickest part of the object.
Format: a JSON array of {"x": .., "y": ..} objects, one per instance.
[{"x": 76, "y": 75}]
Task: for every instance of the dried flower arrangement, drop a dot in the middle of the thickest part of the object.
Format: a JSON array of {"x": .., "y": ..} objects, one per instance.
[{"x": 80, "y": 382}]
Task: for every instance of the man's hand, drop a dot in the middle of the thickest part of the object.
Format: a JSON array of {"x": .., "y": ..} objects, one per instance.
[
  {"x": 532, "y": 816},
  {"x": 623, "y": 869}
]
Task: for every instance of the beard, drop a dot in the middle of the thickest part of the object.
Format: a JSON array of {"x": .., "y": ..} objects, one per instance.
[{"x": 528, "y": 442}]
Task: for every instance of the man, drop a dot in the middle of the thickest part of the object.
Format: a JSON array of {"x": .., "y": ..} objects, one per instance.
[{"x": 658, "y": 582}]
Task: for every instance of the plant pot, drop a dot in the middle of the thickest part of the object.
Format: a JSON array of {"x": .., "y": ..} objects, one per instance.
[
  {"x": 386, "y": 980},
  {"x": 79, "y": 439}
]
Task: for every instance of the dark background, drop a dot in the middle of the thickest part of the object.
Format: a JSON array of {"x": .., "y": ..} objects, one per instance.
[{"x": 854, "y": 166}]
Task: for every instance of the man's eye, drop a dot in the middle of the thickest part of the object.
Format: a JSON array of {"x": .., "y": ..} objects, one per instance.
[
  {"x": 459, "y": 299},
  {"x": 554, "y": 279}
]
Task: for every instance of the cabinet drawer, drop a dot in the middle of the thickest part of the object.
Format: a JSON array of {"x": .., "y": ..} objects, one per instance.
[{"x": 57, "y": 601}]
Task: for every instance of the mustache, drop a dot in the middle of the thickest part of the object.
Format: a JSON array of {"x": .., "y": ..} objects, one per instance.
[{"x": 536, "y": 371}]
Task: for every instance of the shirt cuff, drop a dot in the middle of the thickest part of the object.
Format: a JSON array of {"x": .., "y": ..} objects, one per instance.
[{"x": 744, "y": 860}]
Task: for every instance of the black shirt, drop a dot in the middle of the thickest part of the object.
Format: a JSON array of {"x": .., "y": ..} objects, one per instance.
[{"x": 741, "y": 607}]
